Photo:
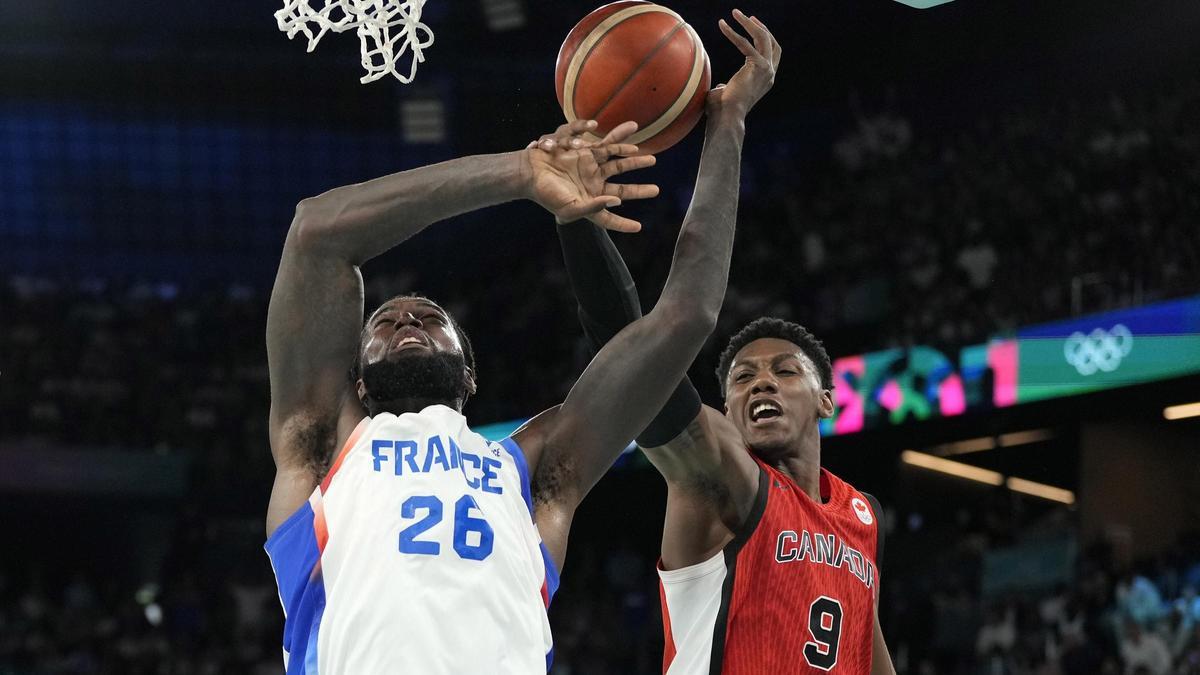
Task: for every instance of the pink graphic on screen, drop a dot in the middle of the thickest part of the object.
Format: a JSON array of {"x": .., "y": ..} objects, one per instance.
[
  {"x": 891, "y": 396},
  {"x": 847, "y": 399},
  {"x": 1004, "y": 358},
  {"x": 951, "y": 398}
]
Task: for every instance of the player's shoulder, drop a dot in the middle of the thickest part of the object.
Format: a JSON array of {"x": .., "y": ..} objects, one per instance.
[
  {"x": 839, "y": 492},
  {"x": 531, "y": 436},
  {"x": 863, "y": 505},
  {"x": 537, "y": 426},
  {"x": 840, "y": 486}
]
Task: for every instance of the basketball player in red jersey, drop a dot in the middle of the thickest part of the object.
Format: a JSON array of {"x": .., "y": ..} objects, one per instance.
[{"x": 769, "y": 562}]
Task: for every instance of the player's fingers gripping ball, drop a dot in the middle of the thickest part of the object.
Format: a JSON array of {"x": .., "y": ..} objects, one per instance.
[
  {"x": 572, "y": 137},
  {"x": 638, "y": 61}
]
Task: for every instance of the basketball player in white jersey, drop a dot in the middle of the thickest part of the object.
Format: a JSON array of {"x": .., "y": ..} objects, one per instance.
[{"x": 402, "y": 542}]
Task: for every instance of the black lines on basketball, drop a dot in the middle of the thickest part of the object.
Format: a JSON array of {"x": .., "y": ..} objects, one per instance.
[{"x": 662, "y": 42}]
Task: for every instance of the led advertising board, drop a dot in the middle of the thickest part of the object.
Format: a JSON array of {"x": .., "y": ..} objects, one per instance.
[{"x": 1064, "y": 358}]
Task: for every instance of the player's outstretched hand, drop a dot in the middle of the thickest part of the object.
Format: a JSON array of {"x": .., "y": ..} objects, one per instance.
[
  {"x": 569, "y": 175},
  {"x": 755, "y": 77}
]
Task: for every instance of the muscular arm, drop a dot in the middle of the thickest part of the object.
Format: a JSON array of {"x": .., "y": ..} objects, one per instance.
[
  {"x": 881, "y": 659},
  {"x": 711, "y": 482},
  {"x": 632, "y": 377},
  {"x": 316, "y": 307},
  {"x": 608, "y": 301}
]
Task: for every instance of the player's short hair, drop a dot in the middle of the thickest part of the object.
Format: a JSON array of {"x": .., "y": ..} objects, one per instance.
[
  {"x": 770, "y": 327},
  {"x": 467, "y": 349}
]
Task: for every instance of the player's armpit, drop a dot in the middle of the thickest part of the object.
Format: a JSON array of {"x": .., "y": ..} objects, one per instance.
[
  {"x": 305, "y": 446},
  {"x": 553, "y": 520},
  {"x": 552, "y": 516},
  {"x": 531, "y": 436}
]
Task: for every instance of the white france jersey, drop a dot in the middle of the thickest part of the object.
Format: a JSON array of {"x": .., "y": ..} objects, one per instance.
[{"x": 416, "y": 554}]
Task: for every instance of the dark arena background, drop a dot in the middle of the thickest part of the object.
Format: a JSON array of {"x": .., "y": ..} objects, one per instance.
[{"x": 988, "y": 210}]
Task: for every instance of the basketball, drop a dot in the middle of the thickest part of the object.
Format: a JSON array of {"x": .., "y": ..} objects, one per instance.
[{"x": 639, "y": 61}]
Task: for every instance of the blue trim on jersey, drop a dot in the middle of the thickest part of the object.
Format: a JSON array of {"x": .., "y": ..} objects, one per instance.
[
  {"x": 551, "y": 574},
  {"x": 309, "y": 665},
  {"x": 295, "y": 558},
  {"x": 518, "y": 455}
]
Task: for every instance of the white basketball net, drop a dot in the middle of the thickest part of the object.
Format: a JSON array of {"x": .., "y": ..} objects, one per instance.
[{"x": 375, "y": 20}]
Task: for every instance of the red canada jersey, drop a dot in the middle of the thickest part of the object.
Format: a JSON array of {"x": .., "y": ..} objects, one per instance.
[{"x": 794, "y": 592}]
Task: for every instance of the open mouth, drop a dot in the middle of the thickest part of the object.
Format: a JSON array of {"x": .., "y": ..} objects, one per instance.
[
  {"x": 409, "y": 342},
  {"x": 764, "y": 410}
]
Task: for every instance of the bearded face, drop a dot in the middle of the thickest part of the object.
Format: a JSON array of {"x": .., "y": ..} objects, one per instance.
[
  {"x": 412, "y": 355},
  {"x": 422, "y": 375}
]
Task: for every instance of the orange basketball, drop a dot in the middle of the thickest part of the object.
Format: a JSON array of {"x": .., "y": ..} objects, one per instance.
[{"x": 639, "y": 61}]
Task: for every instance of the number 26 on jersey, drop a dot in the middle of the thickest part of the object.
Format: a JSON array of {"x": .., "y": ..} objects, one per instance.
[{"x": 472, "y": 535}]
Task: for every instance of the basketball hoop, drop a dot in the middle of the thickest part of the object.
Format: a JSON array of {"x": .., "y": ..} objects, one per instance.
[{"x": 375, "y": 21}]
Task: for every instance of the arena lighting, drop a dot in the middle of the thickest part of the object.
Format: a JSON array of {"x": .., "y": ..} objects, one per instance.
[
  {"x": 977, "y": 474},
  {"x": 952, "y": 468},
  {"x": 1040, "y": 490},
  {"x": 1179, "y": 412},
  {"x": 923, "y": 4},
  {"x": 965, "y": 447},
  {"x": 423, "y": 120},
  {"x": 1009, "y": 440},
  {"x": 502, "y": 15},
  {"x": 1025, "y": 437}
]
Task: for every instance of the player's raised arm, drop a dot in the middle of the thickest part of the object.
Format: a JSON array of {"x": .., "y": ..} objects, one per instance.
[
  {"x": 316, "y": 310},
  {"x": 634, "y": 374},
  {"x": 690, "y": 444},
  {"x": 608, "y": 301}
]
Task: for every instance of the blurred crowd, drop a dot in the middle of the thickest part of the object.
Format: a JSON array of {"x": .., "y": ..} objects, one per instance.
[
  {"x": 1108, "y": 614},
  {"x": 1028, "y": 216},
  {"x": 1111, "y": 618},
  {"x": 904, "y": 235},
  {"x": 93, "y": 625},
  {"x": 947, "y": 236}
]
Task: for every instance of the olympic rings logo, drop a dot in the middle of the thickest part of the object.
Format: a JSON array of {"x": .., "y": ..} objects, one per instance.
[{"x": 1100, "y": 350}]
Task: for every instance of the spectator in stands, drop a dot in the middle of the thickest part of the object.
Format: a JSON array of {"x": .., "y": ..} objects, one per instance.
[
  {"x": 1188, "y": 660},
  {"x": 1080, "y": 656},
  {"x": 1188, "y": 603},
  {"x": 1139, "y": 599},
  {"x": 998, "y": 634},
  {"x": 1143, "y": 650}
]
